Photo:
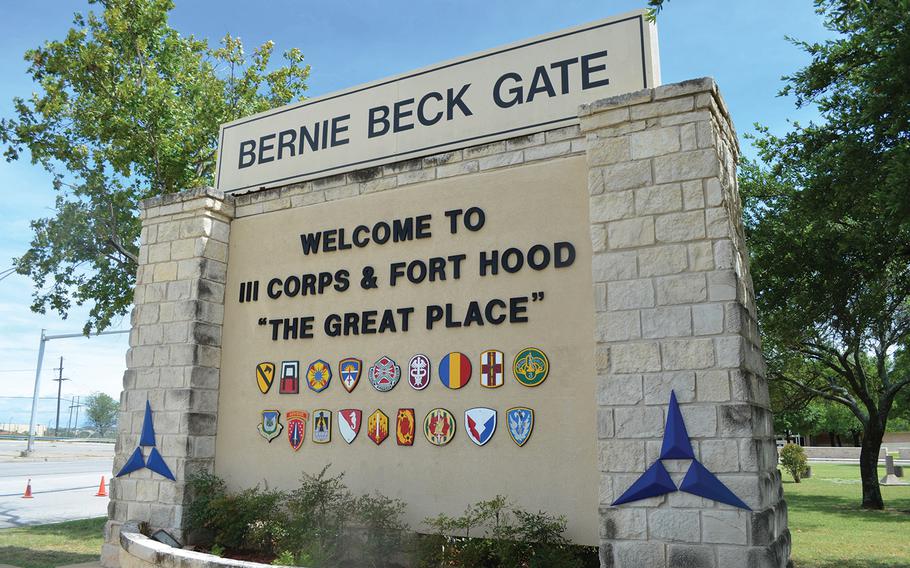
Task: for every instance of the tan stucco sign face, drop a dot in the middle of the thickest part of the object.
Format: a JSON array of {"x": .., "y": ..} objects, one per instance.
[
  {"x": 522, "y": 88},
  {"x": 434, "y": 343}
]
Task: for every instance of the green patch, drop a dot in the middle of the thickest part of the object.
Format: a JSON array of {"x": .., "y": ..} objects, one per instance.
[
  {"x": 831, "y": 531},
  {"x": 48, "y": 546}
]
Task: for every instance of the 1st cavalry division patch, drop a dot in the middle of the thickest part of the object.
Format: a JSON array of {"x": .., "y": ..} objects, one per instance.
[
  {"x": 296, "y": 427},
  {"x": 531, "y": 367},
  {"x": 404, "y": 427},
  {"x": 265, "y": 374},
  {"x": 349, "y": 371},
  {"x": 318, "y": 375},
  {"x": 270, "y": 427},
  {"x": 322, "y": 426},
  {"x": 439, "y": 426}
]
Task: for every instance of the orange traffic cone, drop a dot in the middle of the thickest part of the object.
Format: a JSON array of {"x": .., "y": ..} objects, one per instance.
[
  {"x": 28, "y": 490},
  {"x": 102, "y": 491}
]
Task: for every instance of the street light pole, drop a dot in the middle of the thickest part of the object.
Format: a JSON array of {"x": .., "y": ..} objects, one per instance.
[{"x": 44, "y": 339}]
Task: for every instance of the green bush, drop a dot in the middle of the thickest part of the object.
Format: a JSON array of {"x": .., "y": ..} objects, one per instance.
[
  {"x": 793, "y": 459},
  {"x": 319, "y": 524},
  {"x": 503, "y": 535}
]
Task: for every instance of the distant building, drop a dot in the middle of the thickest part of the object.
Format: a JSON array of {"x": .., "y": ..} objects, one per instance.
[{"x": 7, "y": 428}]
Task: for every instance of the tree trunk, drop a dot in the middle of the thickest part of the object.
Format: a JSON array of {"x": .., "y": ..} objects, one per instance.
[{"x": 868, "y": 466}]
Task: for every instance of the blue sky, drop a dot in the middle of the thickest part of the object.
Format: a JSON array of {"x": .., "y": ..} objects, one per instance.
[{"x": 739, "y": 43}]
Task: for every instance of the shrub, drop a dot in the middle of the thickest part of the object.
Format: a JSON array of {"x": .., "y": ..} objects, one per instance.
[
  {"x": 504, "y": 535},
  {"x": 793, "y": 459}
]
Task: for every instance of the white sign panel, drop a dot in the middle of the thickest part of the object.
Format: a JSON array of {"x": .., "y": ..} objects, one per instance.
[{"x": 522, "y": 88}]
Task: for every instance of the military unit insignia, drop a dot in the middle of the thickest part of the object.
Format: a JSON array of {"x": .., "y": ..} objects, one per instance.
[
  {"x": 419, "y": 372},
  {"x": 290, "y": 378},
  {"x": 384, "y": 374},
  {"x": 349, "y": 371},
  {"x": 349, "y": 421},
  {"x": 479, "y": 424},
  {"x": 322, "y": 426},
  {"x": 265, "y": 374},
  {"x": 491, "y": 369},
  {"x": 455, "y": 370},
  {"x": 318, "y": 375},
  {"x": 296, "y": 427},
  {"x": 531, "y": 367},
  {"x": 404, "y": 427},
  {"x": 521, "y": 423},
  {"x": 439, "y": 426},
  {"x": 270, "y": 427},
  {"x": 378, "y": 427}
]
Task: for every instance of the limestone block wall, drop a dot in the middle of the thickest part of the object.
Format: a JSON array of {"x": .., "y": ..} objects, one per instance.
[
  {"x": 174, "y": 357},
  {"x": 676, "y": 311}
]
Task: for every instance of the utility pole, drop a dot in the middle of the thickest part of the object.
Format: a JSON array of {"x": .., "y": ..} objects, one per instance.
[
  {"x": 78, "y": 404},
  {"x": 59, "y": 380}
]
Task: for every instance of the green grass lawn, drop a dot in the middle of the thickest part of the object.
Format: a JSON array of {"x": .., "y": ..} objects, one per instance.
[
  {"x": 47, "y": 546},
  {"x": 830, "y": 530},
  {"x": 828, "y": 527}
]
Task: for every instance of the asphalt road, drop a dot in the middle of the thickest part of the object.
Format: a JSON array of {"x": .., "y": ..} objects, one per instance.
[{"x": 65, "y": 478}]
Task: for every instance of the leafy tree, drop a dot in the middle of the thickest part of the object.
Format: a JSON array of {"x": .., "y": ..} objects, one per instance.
[
  {"x": 126, "y": 108},
  {"x": 828, "y": 222},
  {"x": 101, "y": 411}
]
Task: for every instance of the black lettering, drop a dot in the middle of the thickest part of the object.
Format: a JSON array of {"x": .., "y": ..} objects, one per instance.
[
  {"x": 540, "y": 84},
  {"x": 358, "y": 241},
  {"x": 396, "y": 270},
  {"x": 263, "y": 148},
  {"x": 564, "y": 254},
  {"x": 310, "y": 242},
  {"x": 423, "y": 118},
  {"x": 351, "y": 324},
  {"x": 397, "y": 126},
  {"x": 291, "y": 286},
  {"x": 273, "y": 290},
  {"x": 474, "y": 218},
  {"x": 342, "y": 280},
  {"x": 455, "y": 101},
  {"x": 309, "y": 284},
  {"x": 491, "y": 263},
  {"x": 286, "y": 139},
  {"x": 325, "y": 279},
  {"x": 456, "y": 260},
  {"x": 310, "y": 140},
  {"x": 374, "y": 120},
  {"x": 328, "y": 240},
  {"x": 405, "y": 313},
  {"x": 247, "y": 149},
  {"x": 368, "y": 322},
  {"x": 587, "y": 69},
  {"x": 453, "y": 215},
  {"x": 422, "y": 225},
  {"x": 434, "y": 314},
  {"x": 517, "y": 91},
  {"x": 563, "y": 67},
  {"x": 381, "y": 233},
  {"x": 517, "y": 308},
  {"x": 388, "y": 322},
  {"x": 338, "y": 129},
  {"x": 332, "y": 325},
  {"x": 495, "y": 319},
  {"x": 532, "y": 257},
  {"x": 512, "y": 266},
  {"x": 474, "y": 315},
  {"x": 402, "y": 230}
]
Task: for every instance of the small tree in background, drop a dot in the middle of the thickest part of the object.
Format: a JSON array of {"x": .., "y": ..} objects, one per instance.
[
  {"x": 101, "y": 411},
  {"x": 793, "y": 459}
]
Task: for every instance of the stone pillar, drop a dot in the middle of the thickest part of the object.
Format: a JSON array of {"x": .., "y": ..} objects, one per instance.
[
  {"x": 676, "y": 311},
  {"x": 174, "y": 357}
]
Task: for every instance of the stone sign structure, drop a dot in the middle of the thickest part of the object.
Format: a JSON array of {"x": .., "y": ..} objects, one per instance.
[{"x": 565, "y": 317}]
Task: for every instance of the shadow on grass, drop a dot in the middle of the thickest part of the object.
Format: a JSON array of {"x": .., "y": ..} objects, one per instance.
[
  {"x": 847, "y": 507},
  {"x": 31, "y": 558},
  {"x": 850, "y": 563}
]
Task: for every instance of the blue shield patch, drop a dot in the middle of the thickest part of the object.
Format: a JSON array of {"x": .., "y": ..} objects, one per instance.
[{"x": 521, "y": 424}]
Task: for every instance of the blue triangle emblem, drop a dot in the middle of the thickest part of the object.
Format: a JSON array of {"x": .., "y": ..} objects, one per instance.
[
  {"x": 148, "y": 428},
  {"x": 135, "y": 462},
  {"x": 156, "y": 464},
  {"x": 699, "y": 481},
  {"x": 676, "y": 445},
  {"x": 653, "y": 482}
]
